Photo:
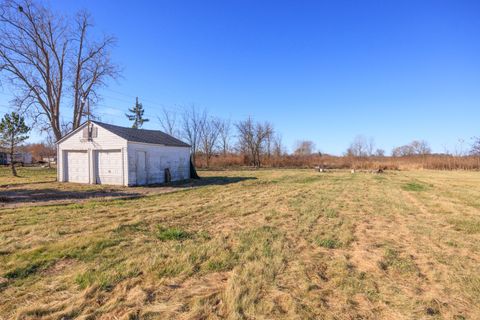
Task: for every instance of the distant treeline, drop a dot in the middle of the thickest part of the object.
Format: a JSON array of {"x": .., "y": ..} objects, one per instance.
[
  {"x": 218, "y": 143},
  {"x": 430, "y": 161}
]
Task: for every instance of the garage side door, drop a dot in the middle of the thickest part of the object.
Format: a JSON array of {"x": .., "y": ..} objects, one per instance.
[
  {"x": 77, "y": 166},
  {"x": 109, "y": 167}
]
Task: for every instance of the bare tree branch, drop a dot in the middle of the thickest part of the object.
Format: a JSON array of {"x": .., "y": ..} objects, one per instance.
[
  {"x": 192, "y": 120},
  {"x": 253, "y": 139},
  {"x": 91, "y": 66},
  {"x": 168, "y": 122},
  {"x": 40, "y": 51},
  {"x": 209, "y": 132},
  {"x": 225, "y": 136}
]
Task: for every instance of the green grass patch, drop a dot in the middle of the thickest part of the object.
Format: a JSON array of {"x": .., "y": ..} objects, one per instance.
[
  {"x": 130, "y": 228},
  {"x": 414, "y": 186},
  {"x": 465, "y": 225},
  {"x": 170, "y": 270},
  {"x": 91, "y": 250},
  {"x": 257, "y": 242},
  {"x": 172, "y": 233},
  {"x": 33, "y": 261},
  {"x": 392, "y": 259},
  {"x": 350, "y": 281},
  {"x": 328, "y": 243},
  {"x": 105, "y": 277},
  {"x": 26, "y": 271},
  {"x": 223, "y": 262}
]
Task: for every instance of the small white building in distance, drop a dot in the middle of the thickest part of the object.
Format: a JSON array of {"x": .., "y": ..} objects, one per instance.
[
  {"x": 100, "y": 153},
  {"x": 18, "y": 157}
]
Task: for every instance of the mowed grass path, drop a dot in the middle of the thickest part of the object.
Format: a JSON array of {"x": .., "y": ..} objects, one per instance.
[{"x": 267, "y": 244}]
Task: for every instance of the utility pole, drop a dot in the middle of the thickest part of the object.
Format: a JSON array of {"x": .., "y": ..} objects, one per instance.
[
  {"x": 86, "y": 100},
  {"x": 89, "y": 126},
  {"x": 88, "y": 110}
]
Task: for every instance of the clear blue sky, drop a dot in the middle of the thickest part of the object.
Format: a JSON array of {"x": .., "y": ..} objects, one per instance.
[{"x": 319, "y": 70}]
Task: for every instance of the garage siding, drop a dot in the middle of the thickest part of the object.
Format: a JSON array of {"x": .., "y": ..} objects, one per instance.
[
  {"x": 105, "y": 140},
  {"x": 157, "y": 158}
]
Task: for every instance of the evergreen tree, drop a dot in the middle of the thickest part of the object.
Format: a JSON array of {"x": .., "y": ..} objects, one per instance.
[
  {"x": 13, "y": 132},
  {"x": 136, "y": 115}
]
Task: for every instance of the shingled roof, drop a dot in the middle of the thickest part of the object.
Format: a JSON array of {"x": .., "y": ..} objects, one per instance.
[{"x": 142, "y": 135}]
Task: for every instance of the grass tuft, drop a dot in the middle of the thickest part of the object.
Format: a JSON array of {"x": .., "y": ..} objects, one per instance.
[
  {"x": 223, "y": 263},
  {"x": 172, "y": 233},
  {"x": 128, "y": 228},
  {"x": 106, "y": 279},
  {"x": 328, "y": 243},
  {"x": 330, "y": 213},
  {"x": 392, "y": 259}
]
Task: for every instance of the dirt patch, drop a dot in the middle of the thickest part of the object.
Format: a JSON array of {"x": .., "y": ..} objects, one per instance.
[
  {"x": 59, "y": 266},
  {"x": 16, "y": 197},
  {"x": 53, "y": 193}
]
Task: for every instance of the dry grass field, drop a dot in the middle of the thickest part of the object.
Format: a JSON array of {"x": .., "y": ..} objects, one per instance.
[{"x": 267, "y": 244}]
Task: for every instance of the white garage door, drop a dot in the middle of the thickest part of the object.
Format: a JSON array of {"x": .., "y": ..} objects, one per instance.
[
  {"x": 109, "y": 167},
  {"x": 77, "y": 166}
]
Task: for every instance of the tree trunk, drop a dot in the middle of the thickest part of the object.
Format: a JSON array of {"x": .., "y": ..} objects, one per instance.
[
  {"x": 56, "y": 130},
  {"x": 12, "y": 160},
  {"x": 194, "y": 157}
]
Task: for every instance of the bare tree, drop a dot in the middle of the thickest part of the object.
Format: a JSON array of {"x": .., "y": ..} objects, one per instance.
[
  {"x": 475, "y": 151},
  {"x": 192, "y": 120},
  {"x": 168, "y": 122},
  {"x": 40, "y": 51},
  {"x": 224, "y": 135},
  {"x": 361, "y": 147},
  {"x": 33, "y": 49},
  {"x": 420, "y": 147},
  {"x": 416, "y": 147},
  {"x": 246, "y": 138},
  {"x": 379, "y": 153},
  {"x": 459, "y": 148},
  {"x": 304, "y": 148},
  {"x": 91, "y": 66},
  {"x": 278, "y": 148},
  {"x": 370, "y": 146},
  {"x": 252, "y": 138},
  {"x": 209, "y": 132},
  {"x": 402, "y": 151}
]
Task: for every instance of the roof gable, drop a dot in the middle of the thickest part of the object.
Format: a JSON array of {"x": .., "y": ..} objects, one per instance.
[{"x": 71, "y": 133}]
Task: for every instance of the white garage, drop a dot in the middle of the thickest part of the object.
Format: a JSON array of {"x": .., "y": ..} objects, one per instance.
[{"x": 100, "y": 153}]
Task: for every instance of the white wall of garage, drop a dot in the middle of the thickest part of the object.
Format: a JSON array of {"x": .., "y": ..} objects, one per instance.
[{"x": 158, "y": 157}]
